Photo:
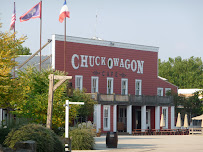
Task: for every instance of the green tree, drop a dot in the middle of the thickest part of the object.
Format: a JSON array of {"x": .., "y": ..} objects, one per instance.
[
  {"x": 23, "y": 50},
  {"x": 87, "y": 109},
  {"x": 184, "y": 73},
  {"x": 8, "y": 48},
  {"x": 32, "y": 99}
]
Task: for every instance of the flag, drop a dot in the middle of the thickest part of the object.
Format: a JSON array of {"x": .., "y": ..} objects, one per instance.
[
  {"x": 64, "y": 12},
  {"x": 13, "y": 19},
  {"x": 34, "y": 12}
]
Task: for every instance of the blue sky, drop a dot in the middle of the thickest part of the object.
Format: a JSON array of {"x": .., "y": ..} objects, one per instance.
[{"x": 175, "y": 26}]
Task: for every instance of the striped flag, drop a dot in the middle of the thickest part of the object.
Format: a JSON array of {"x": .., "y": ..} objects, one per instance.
[
  {"x": 13, "y": 19},
  {"x": 64, "y": 12},
  {"x": 34, "y": 12}
]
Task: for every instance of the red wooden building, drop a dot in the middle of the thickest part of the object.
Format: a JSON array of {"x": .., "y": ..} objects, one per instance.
[{"x": 123, "y": 76}]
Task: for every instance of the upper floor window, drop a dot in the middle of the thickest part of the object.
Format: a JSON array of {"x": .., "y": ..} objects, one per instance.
[
  {"x": 109, "y": 85},
  {"x": 94, "y": 84},
  {"x": 167, "y": 91},
  {"x": 78, "y": 82},
  {"x": 138, "y": 87},
  {"x": 124, "y": 86},
  {"x": 160, "y": 91}
]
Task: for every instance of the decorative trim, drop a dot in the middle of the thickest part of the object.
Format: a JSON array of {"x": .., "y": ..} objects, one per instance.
[
  {"x": 106, "y": 43},
  {"x": 122, "y": 75},
  {"x": 96, "y": 73}
]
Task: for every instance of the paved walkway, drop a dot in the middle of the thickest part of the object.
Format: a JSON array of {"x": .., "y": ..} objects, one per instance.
[{"x": 171, "y": 143}]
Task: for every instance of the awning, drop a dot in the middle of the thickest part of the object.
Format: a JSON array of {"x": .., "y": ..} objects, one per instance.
[{"x": 198, "y": 117}]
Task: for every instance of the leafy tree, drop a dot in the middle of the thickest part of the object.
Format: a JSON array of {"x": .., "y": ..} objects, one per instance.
[
  {"x": 192, "y": 105},
  {"x": 185, "y": 73},
  {"x": 32, "y": 100},
  {"x": 23, "y": 50},
  {"x": 87, "y": 109},
  {"x": 8, "y": 47}
]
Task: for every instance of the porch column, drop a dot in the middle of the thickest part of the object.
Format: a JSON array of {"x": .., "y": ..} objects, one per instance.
[
  {"x": 143, "y": 117},
  {"x": 157, "y": 117},
  {"x": 172, "y": 117},
  {"x": 114, "y": 118},
  {"x": 129, "y": 119},
  {"x": 98, "y": 116}
]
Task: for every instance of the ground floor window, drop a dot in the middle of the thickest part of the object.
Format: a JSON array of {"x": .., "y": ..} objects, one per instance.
[{"x": 106, "y": 118}]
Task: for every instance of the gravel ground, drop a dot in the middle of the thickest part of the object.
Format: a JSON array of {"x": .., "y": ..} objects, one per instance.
[{"x": 171, "y": 143}]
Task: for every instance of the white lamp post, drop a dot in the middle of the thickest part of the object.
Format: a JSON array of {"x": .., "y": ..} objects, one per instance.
[{"x": 67, "y": 117}]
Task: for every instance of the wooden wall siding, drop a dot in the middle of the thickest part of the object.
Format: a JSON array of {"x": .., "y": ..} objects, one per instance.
[{"x": 149, "y": 71}]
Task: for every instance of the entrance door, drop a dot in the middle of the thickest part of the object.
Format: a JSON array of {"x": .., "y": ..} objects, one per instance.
[
  {"x": 138, "y": 119},
  {"x": 122, "y": 115}
]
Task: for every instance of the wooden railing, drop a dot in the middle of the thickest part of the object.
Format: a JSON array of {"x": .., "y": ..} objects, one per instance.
[
  {"x": 132, "y": 99},
  {"x": 195, "y": 131}
]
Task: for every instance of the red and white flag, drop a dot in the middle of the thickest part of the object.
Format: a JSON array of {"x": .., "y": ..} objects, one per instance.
[
  {"x": 64, "y": 12},
  {"x": 13, "y": 19}
]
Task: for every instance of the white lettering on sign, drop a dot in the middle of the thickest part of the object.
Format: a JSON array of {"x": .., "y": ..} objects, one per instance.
[
  {"x": 140, "y": 66},
  {"x": 127, "y": 64},
  {"x": 103, "y": 60},
  {"x": 73, "y": 61},
  {"x": 91, "y": 59},
  {"x": 110, "y": 63},
  {"x": 133, "y": 63},
  {"x": 97, "y": 60},
  {"x": 121, "y": 64},
  {"x": 116, "y": 60},
  {"x": 84, "y": 61}
]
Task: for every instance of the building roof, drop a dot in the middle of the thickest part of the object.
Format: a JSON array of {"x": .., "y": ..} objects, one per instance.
[
  {"x": 33, "y": 62},
  {"x": 101, "y": 42},
  {"x": 188, "y": 91}
]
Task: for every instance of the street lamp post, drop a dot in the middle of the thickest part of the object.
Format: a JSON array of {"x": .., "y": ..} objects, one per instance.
[{"x": 67, "y": 119}]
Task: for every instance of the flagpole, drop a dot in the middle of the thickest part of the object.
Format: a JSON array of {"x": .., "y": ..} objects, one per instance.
[
  {"x": 14, "y": 41},
  {"x": 65, "y": 45},
  {"x": 40, "y": 37}
]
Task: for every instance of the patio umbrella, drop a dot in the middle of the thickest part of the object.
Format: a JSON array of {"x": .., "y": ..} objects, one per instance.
[
  {"x": 198, "y": 117},
  {"x": 162, "y": 122},
  {"x": 178, "y": 123},
  {"x": 202, "y": 123},
  {"x": 185, "y": 121}
]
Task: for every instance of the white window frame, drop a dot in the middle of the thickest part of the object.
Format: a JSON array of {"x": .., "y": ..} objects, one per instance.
[
  {"x": 108, "y": 78},
  {"x": 140, "y": 91},
  {"x": 165, "y": 118},
  {"x": 81, "y": 82},
  {"x": 97, "y": 83},
  {"x": 161, "y": 91},
  {"x": 106, "y": 128},
  {"x": 166, "y": 90},
  {"x": 126, "y": 89}
]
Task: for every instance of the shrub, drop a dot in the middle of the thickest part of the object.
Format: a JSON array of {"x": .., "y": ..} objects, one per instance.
[
  {"x": 46, "y": 139},
  {"x": 82, "y": 139},
  {"x": 3, "y": 133}
]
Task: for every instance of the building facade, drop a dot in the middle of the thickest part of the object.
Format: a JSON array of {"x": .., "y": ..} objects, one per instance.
[{"x": 123, "y": 79}]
